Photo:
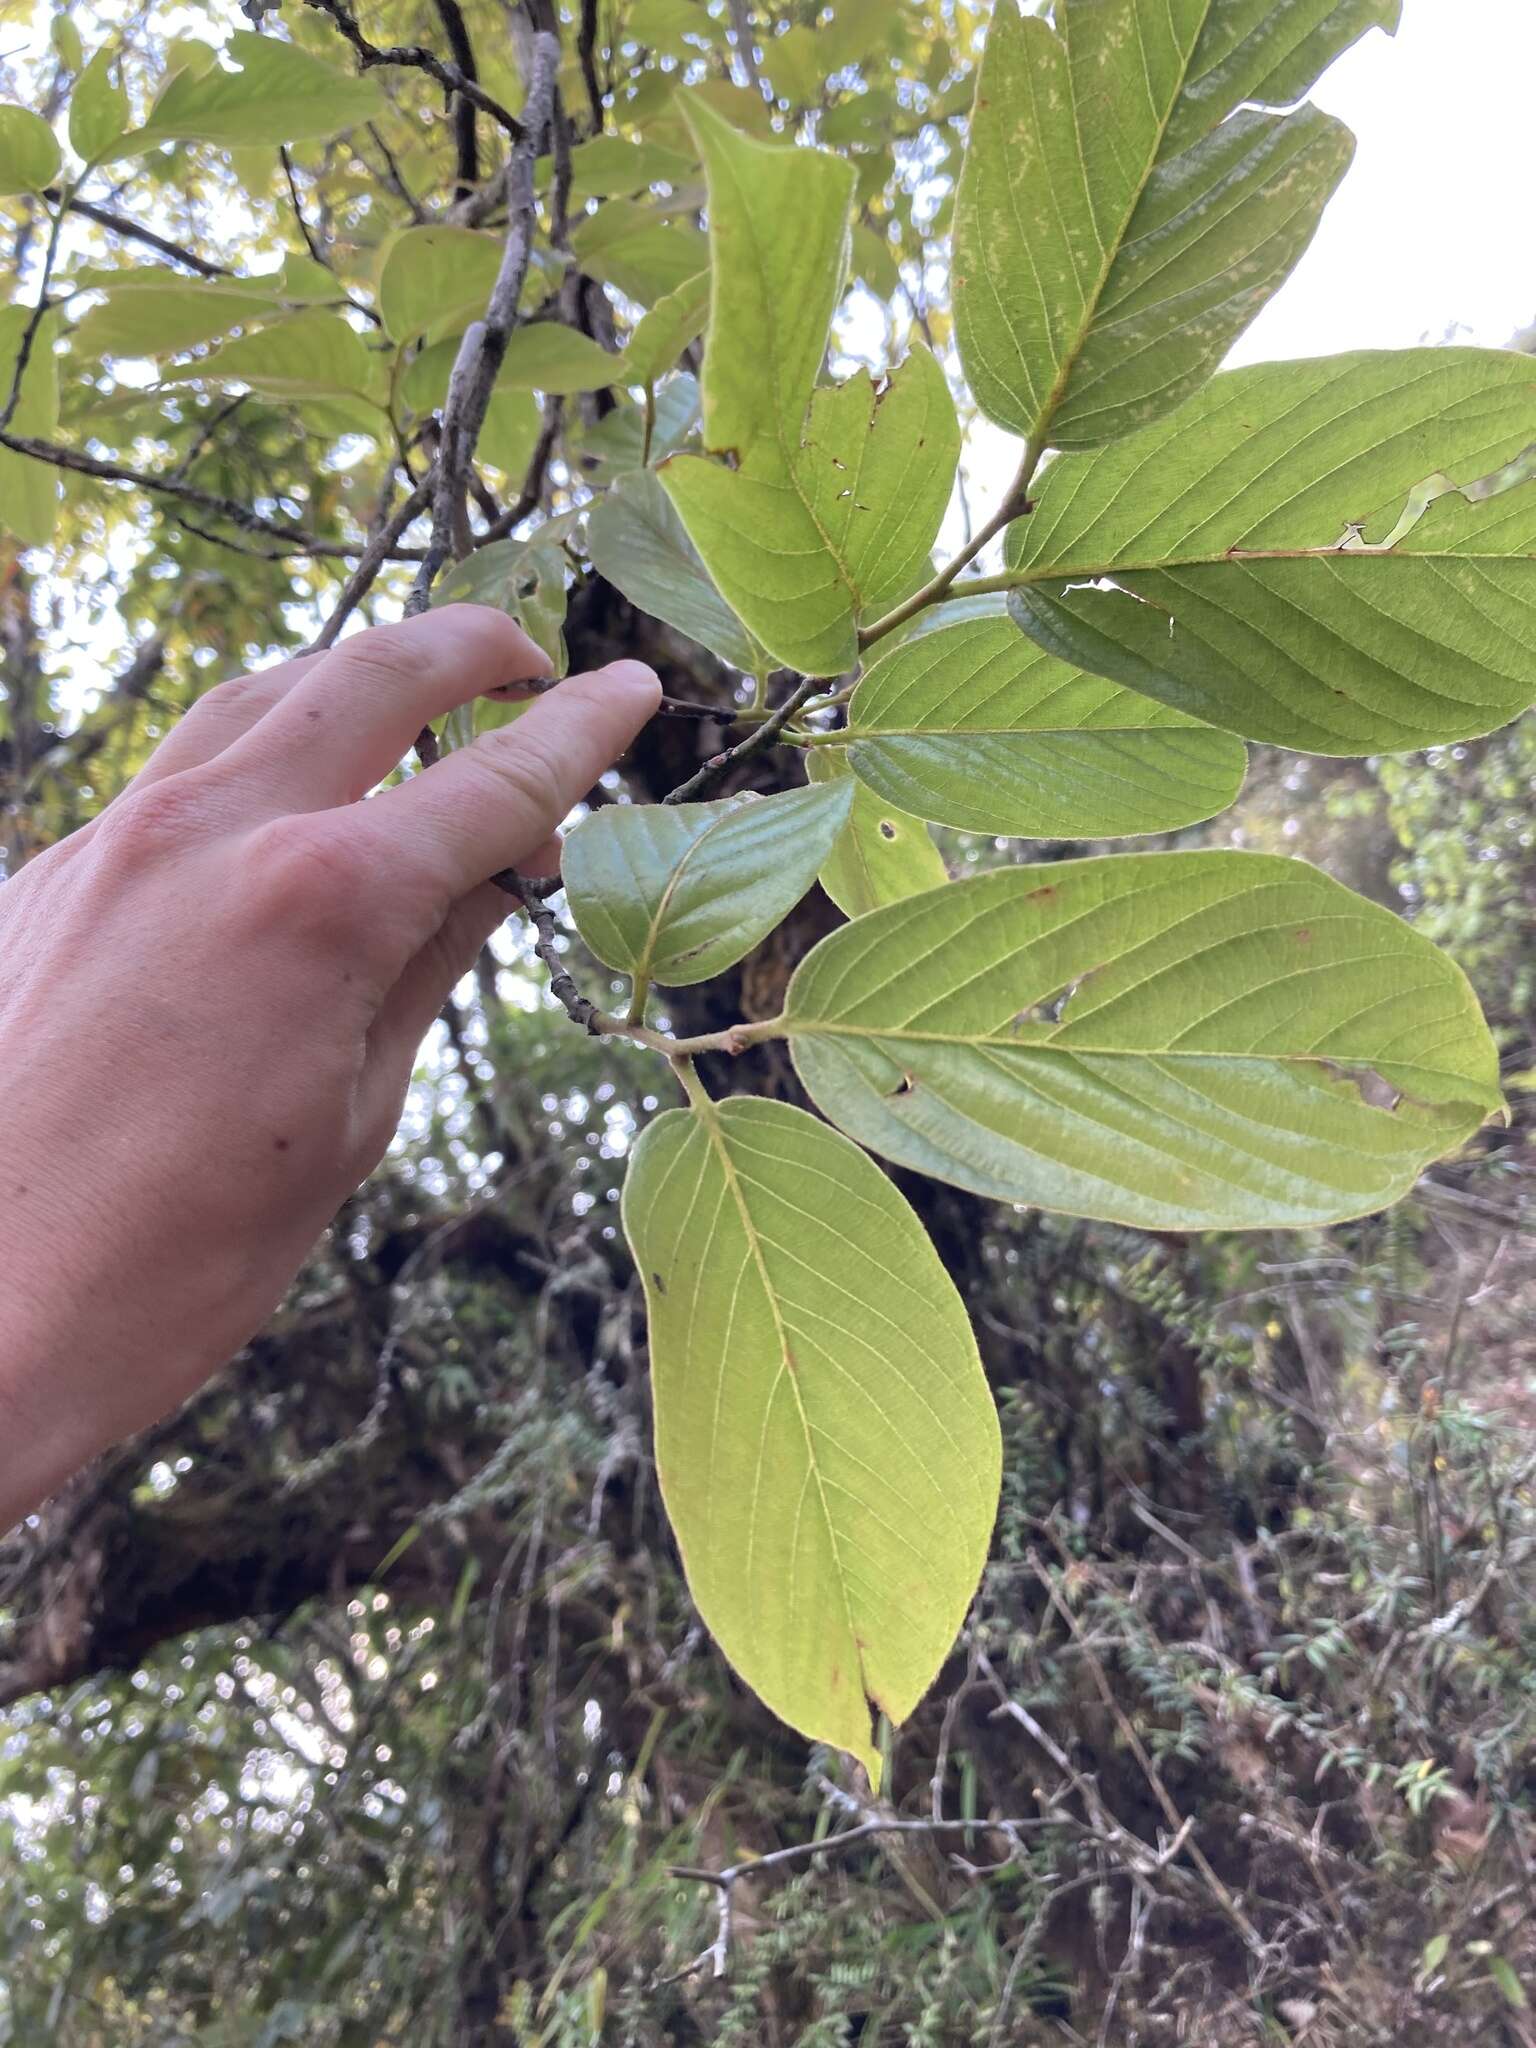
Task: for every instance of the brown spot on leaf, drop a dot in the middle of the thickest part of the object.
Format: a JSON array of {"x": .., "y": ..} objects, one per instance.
[
  {"x": 658, "y": 1283},
  {"x": 1043, "y": 894},
  {"x": 887, "y": 829},
  {"x": 1303, "y": 935}
]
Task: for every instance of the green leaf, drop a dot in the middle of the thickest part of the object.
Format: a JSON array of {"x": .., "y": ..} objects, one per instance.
[
  {"x": 793, "y": 67},
  {"x": 637, "y": 541},
  {"x": 676, "y": 893},
  {"x": 157, "y": 313},
  {"x": 1436, "y": 1950},
  {"x": 629, "y": 244},
  {"x": 311, "y": 355},
  {"x": 1188, "y": 1041},
  {"x": 771, "y": 300},
  {"x": 98, "y": 108},
  {"x": 436, "y": 280},
  {"x": 609, "y": 166},
  {"x": 615, "y": 444},
  {"x": 1511, "y": 1990},
  {"x": 65, "y": 38},
  {"x": 29, "y": 154},
  {"x": 29, "y": 490},
  {"x": 1122, "y": 214},
  {"x": 550, "y": 358},
  {"x": 874, "y": 260},
  {"x": 663, "y": 24},
  {"x": 1232, "y": 533},
  {"x": 769, "y": 559},
  {"x": 827, "y": 1448},
  {"x": 525, "y": 578},
  {"x": 845, "y": 528},
  {"x": 876, "y": 466},
  {"x": 974, "y": 727},
  {"x": 660, "y": 338},
  {"x": 279, "y": 94},
  {"x": 882, "y": 855},
  {"x": 510, "y": 431},
  {"x": 778, "y": 230}
]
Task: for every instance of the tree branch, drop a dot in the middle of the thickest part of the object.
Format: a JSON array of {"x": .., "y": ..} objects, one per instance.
[
  {"x": 466, "y": 146},
  {"x": 130, "y": 230},
  {"x": 238, "y": 514},
  {"x": 586, "y": 52},
  {"x": 412, "y": 57},
  {"x": 485, "y": 342}
]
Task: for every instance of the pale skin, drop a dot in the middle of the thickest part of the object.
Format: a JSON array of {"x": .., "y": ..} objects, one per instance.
[{"x": 212, "y": 998}]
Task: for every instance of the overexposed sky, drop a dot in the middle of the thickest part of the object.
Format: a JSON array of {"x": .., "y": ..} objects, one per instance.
[{"x": 1433, "y": 225}]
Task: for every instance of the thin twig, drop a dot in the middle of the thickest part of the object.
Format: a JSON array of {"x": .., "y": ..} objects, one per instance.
[
  {"x": 725, "y": 1881},
  {"x": 1133, "y": 1742},
  {"x": 35, "y": 320},
  {"x": 762, "y": 736},
  {"x": 466, "y": 147},
  {"x": 379, "y": 550}
]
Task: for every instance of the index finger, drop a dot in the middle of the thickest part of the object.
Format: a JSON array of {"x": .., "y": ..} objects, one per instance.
[
  {"x": 354, "y": 712},
  {"x": 490, "y": 805}
]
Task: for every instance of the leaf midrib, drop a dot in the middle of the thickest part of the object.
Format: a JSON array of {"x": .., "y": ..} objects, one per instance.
[
  {"x": 1057, "y": 394},
  {"x": 709, "y": 1116},
  {"x": 794, "y": 1028},
  {"x": 1237, "y": 557},
  {"x": 852, "y": 733},
  {"x": 644, "y": 965}
]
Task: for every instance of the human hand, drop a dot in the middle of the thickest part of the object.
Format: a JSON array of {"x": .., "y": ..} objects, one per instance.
[{"x": 211, "y": 999}]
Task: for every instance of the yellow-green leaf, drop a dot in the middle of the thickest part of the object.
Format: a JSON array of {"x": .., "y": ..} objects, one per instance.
[
  {"x": 29, "y": 490},
  {"x": 435, "y": 280},
  {"x": 279, "y": 94},
  {"x": 827, "y": 1447},
  {"x": 311, "y": 355},
  {"x": 974, "y": 726},
  {"x": 677, "y": 893},
  {"x": 881, "y": 855},
  {"x": 98, "y": 108},
  {"x": 1127, "y": 206},
  {"x": 660, "y": 338},
  {"x": 1187, "y": 1041},
  {"x": 29, "y": 154},
  {"x": 550, "y": 358},
  {"x": 804, "y": 548},
  {"x": 1336, "y": 554},
  {"x": 157, "y": 313},
  {"x": 637, "y": 541},
  {"x": 778, "y": 230}
]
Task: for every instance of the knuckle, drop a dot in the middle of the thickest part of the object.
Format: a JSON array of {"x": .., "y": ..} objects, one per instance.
[
  {"x": 239, "y": 697},
  {"x": 303, "y": 873},
  {"x": 155, "y": 822},
  {"x": 523, "y": 768}
]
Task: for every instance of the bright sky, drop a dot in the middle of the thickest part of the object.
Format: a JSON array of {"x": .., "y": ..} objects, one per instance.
[{"x": 1432, "y": 226}]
